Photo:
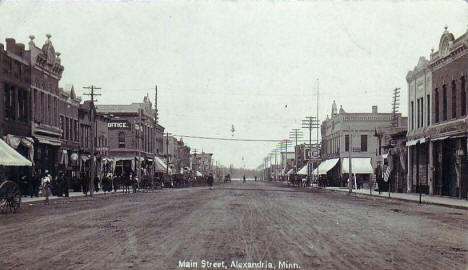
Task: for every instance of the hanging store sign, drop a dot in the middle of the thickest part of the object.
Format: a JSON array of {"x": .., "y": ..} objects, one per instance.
[{"x": 118, "y": 125}]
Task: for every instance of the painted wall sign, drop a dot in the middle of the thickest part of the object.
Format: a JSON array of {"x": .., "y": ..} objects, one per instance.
[{"x": 118, "y": 125}]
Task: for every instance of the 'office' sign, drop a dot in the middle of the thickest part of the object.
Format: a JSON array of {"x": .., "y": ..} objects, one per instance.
[{"x": 118, "y": 125}]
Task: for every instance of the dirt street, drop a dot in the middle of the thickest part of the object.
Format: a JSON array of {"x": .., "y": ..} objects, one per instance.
[{"x": 255, "y": 222}]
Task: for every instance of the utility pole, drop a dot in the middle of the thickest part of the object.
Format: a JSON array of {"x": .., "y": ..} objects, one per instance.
[
  {"x": 395, "y": 105},
  {"x": 156, "y": 104},
  {"x": 167, "y": 153},
  {"x": 318, "y": 122},
  {"x": 140, "y": 143},
  {"x": 295, "y": 134},
  {"x": 310, "y": 122},
  {"x": 350, "y": 172},
  {"x": 92, "y": 173}
]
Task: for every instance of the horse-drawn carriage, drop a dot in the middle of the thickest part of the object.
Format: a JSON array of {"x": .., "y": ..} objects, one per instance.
[
  {"x": 227, "y": 178},
  {"x": 10, "y": 197},
  {"x": 10, "y": 193}
]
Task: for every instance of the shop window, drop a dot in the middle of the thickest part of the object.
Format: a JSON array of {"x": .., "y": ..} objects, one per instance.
[
  {"x": 363, "y": 143},
  {"x": 121, "y": 139}
]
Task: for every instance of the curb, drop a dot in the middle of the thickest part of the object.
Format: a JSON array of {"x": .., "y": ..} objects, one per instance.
[{"x": 401, "y": 199}]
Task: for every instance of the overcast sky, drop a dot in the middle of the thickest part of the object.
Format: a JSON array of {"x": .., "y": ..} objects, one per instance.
[{"x": 253, "y": 65}]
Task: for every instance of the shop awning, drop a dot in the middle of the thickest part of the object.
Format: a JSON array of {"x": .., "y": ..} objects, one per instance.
[
  {"x": 360, "y": 165},
  {"x": 290, "y": 172},
  {"x": 416, "y": 141},
  {"x": 303, "y": 171},
  {"x": 439, "y": 139},
  {"x": 325, "y": 166},
  {"x": 119, "y": 158},
  {"x": 160, "y": 165},
  {"x": 48, "y": 140},
  {"x": 9, "y": 156}
]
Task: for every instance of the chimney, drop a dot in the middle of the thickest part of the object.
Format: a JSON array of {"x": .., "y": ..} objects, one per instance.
[
  {"x": 374, "y": 109},
  {"x": 19, "y": 49},
  {"x": 10, "y": 44}
]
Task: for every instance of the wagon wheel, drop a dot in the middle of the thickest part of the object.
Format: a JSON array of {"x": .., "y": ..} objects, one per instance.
[
  {"x": 10, "y": 197},
  {"x": 3, "y": 205},
  {"x": 15, "y": 201}
]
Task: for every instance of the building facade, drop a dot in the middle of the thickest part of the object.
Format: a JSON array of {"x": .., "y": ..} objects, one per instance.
[
  {"x": 419, "y": 119},
  {"x": 201, "y": 162},
  {"x": 134, "y": 136},
  {"x": 448, "y": 161},
  {"x": 343, "y": 133},
  {"x": 15, "y": 100},
  {"x": 46, "y": 72}
]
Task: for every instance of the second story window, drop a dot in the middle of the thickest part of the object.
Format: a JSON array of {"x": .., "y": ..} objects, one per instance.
[
  {"x": 121, "y": 139},
  {"x": 454, "y": 99},
  {"x": 463, "y": 96},
  {"x": 363, "y": 143},
  {"x": 412, "y": 114},
  {"x": 444, "y": 102},
  {"x": 346, "y": 143},
  {"x": 436, "y": 105},
  {"x": 428, "y": 100}
]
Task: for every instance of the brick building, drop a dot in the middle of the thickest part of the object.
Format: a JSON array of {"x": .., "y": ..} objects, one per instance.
[
  {"x": 448, "y": 163},
  {"x": 201, "y": 162},
  {"x": 177, "y": 152},
  {"x": 419, "y": 119},
  {"x": 46, "y": 72},
  {"x": 68, "y": 158},
  {"x": 133, "y": 133},
  {"x": 15, "y": 112},
  {"x": 345, "y": 132}
]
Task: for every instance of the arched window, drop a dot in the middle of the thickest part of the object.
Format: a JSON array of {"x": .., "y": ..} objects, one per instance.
[{"x": 121, "y": 139}]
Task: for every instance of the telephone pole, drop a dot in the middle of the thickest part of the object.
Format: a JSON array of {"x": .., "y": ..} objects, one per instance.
[
  {"x": 295, "y": 134},
  {"x": 395, "y": 105},
  {"x": 318, "y": 122},
  {"x": 167, "y": 153},
  {"x": 350, "y": 171},
  {"x": 92, "y": 173},
  {"x": 310, "y": 122}
]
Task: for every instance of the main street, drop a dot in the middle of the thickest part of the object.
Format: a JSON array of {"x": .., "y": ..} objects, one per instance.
[{"x": 251, "y": 222}]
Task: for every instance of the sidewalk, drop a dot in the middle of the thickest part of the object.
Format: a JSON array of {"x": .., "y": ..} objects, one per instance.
[
  {"x": 413, "y": 197},
  {"x": 71, "y": 194}
]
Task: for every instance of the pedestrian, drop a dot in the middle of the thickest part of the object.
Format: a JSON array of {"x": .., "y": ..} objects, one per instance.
[
  {"x": 45, "y": 186},
  {"x": 243, "y": 179},
  {"x": 60, "y": 180},
  {"x": 96, "y": 183},
  {"x": 116, "y": 182},
  {"x": 134, "y": 182},
  {"x": 85, "y": 183},
  {"x": 210, "y": 180},
  {"x": 66, "y": 184}
]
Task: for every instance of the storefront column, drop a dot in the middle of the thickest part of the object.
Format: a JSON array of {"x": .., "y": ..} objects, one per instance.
[
  {"x": 458, "y": 167},
  {"x": 430, "y": 176},
  {"x": 410, "y": 170},
  {"x": 440, "y": 159}
]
